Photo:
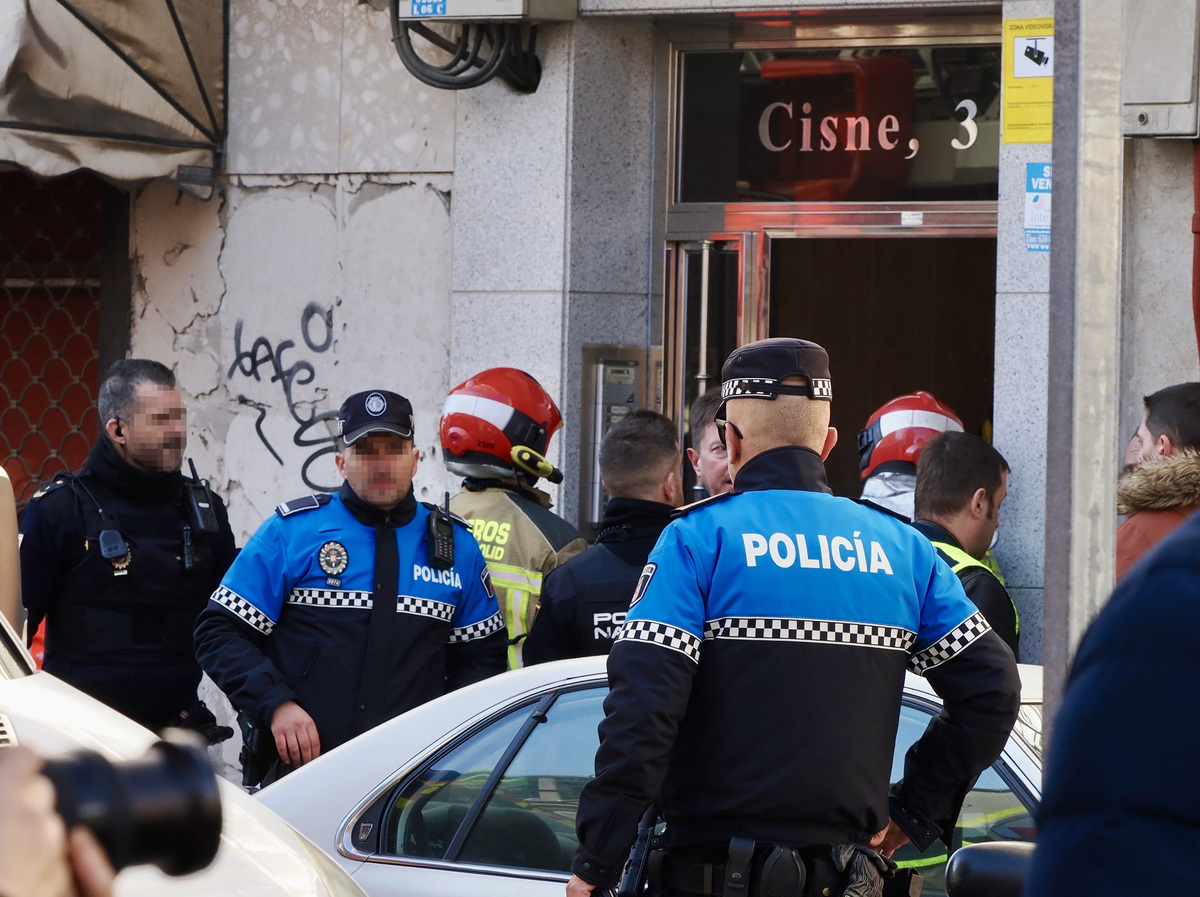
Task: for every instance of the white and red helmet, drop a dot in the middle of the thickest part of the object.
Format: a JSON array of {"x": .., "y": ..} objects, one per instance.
[
  {"x": 499, "y": 423},
  {"x": 896, "y": 432}
]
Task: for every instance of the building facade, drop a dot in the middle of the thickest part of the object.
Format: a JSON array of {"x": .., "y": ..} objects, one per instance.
[{"x": 688, "y": 176}]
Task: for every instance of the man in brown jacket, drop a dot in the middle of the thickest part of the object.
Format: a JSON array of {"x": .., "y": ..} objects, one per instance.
[{"x": 1164, "y": 487}]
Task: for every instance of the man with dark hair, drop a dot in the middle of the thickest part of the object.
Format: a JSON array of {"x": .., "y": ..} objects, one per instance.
[
  {"x": 119, "y": 558},
  {"x": 584, "y": 600},
  {"x": 344, "y": 611},
  {"x": 961, "y": 483},
  {"x": 755, "y": 687},
  {"x": 707, "y": 452},
  {"x": 1162, "y": 487}
]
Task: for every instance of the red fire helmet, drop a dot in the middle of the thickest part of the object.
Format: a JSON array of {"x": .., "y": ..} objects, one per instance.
[
  {"x": 899, "y": 428},
  {"x": 497, "y": 423}
]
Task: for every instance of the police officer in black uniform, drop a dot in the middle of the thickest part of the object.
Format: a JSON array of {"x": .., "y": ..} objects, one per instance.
[
  {"x": 119, "y": 558},
  {"x": 756, "y": 683},
  {"x": 584, "y": 601}
]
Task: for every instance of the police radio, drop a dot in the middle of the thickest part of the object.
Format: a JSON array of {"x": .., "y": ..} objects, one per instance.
[
  {"x": 200, "y": 503},
  {"x": 441, "y": 537}
]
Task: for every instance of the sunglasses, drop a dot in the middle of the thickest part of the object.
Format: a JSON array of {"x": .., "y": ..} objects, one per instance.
[{"x": 721, "y": 425}]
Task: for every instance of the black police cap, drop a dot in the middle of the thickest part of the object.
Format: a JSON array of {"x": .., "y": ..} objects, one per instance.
[
  {"x": 756, "y": 370},
  {"x": 377, "y": 411}
]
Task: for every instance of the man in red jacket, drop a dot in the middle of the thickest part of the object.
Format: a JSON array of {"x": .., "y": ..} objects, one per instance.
[{"x": 1163, "y": 488}]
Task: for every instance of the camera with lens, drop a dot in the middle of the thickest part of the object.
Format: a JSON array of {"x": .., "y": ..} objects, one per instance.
[{"x": 163, "y": 808}]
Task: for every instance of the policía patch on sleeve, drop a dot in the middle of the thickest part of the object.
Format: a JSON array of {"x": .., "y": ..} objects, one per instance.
[
  {"x": 643, "y": 583},
  {"x": 486, "y": 578}
]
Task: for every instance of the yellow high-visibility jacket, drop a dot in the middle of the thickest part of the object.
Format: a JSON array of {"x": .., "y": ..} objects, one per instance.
[{"x": 522, "y": 541}]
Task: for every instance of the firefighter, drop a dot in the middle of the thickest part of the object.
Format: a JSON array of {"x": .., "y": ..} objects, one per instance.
[
  {"x": 495, "y": 430},
  {"x": 890, "y": 446}
]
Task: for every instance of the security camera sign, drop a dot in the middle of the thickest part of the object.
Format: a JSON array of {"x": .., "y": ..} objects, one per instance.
[
  {"x": 1028, "y": 113},
  {"x": 1033, "y": 57}
]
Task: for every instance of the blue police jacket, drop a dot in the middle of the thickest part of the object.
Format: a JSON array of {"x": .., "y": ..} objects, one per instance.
[
  {"x": 291, "y": 618},
  {"x": 756, "y": 683}
]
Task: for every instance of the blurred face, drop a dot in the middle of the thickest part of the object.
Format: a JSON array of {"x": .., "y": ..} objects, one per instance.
[
  {"x": 155, "y": 435},
  {"x": 379, "y": 468},
  {"x": 1132, "y": 450},
  {"x": 710, "y": 460}
]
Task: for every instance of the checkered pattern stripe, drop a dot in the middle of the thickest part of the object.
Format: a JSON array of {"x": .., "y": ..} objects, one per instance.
[
  {"x": 244, "y": 609},
  {"x": 482, "y": 629},
  {"x": 950, "y": 644},
  {"x": 822, "y": 388},
  {"x": 330, "y": 598},
  {"x": 661, "y": 634},
  {"x": 424, "y": 607},
  {"x": 749, "y": 387},
  {"x": 892, "y": 638}
]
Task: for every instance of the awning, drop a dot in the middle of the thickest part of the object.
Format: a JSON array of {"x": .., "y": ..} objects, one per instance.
[{"x": 133, "y": 90}]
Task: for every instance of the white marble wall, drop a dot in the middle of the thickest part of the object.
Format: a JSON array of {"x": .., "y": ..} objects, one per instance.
[
  {"x": 1020, "y": 392},
  {"x": 1158, "y": 346}
]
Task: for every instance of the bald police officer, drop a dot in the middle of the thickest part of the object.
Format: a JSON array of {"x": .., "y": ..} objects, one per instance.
[{"x": 756, "y": 684}]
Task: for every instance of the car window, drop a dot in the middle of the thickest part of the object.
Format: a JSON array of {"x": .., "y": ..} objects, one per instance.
[
  {"x": 529, "y": 821},
  {"x": 991, "y": 811},
  {"x": 14, "y": 661},
  {"x": 428, "y": 810}
]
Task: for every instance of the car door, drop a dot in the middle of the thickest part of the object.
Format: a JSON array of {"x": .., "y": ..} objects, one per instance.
[{"x": 494, "y": 812}]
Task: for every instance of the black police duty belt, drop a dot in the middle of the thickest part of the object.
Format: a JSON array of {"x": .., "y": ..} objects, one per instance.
[{"x": 782, "y": 873}]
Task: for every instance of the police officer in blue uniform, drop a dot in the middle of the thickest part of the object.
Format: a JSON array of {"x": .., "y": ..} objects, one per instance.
[
  {"x": 343, "y": 611},
  {"x": 756, "y": 684}
]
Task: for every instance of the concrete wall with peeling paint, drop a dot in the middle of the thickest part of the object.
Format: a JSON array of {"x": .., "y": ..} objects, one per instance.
[{"x": 322, "y": 268}]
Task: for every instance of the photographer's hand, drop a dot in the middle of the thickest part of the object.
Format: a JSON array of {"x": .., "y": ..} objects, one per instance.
[
  {"x": 93, "y": 872},
  {"x": 295, "y": 734},
  {"x": 33, "y": 840}
]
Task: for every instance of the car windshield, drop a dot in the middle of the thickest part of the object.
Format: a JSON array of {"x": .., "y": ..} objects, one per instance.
[{"x": 1029, "y": 727}]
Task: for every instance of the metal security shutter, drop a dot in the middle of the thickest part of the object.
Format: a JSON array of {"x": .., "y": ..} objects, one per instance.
[{"x": 50, "y": 261}]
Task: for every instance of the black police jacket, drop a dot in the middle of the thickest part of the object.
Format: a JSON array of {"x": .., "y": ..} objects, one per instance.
[
  {"x": 755, "y": 686},
  {"x": 982, "y": 587},
  {"x": 120, "y": 629},
  {"x": 584, "y": 601}
]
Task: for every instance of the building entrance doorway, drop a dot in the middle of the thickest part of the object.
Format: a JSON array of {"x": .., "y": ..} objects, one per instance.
[{"x": 896, "y": 315}]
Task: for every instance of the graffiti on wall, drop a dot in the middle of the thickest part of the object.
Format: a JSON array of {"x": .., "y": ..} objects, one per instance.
[{"x": 316, "y": 329}]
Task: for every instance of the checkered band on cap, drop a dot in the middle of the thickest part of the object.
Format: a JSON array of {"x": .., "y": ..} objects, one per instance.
[
  {"x": 242, "y": 608},
  {"x": 482, "y": 629},
  {"x": 769, "y": 388},
  {"x": 950, "y": 644},
  {"x": 749, "y": 388},
  {"x": 870, "y": 635},
  {"x": 661, "y": 634},
  {"x": 425, "y": 607},
  {"x": 330, "y": 598}
]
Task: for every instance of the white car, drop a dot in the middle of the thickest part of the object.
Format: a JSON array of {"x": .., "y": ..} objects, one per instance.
[
  {"x": 476, "y": 792},
  {"x": 259, "y": 855}
]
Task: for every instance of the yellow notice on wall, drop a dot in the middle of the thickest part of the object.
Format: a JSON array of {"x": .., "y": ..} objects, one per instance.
[{"x": 1028, "y": 112}]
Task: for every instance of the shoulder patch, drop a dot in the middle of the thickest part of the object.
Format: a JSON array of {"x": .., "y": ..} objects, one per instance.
[
  {"x": 304, "y": 503},
  {"x": 702, "y": 503},
  {"x": 59, "y": 481},
  {"x": 867, "y": 503},
  {"x": 459, "y": 520}
]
